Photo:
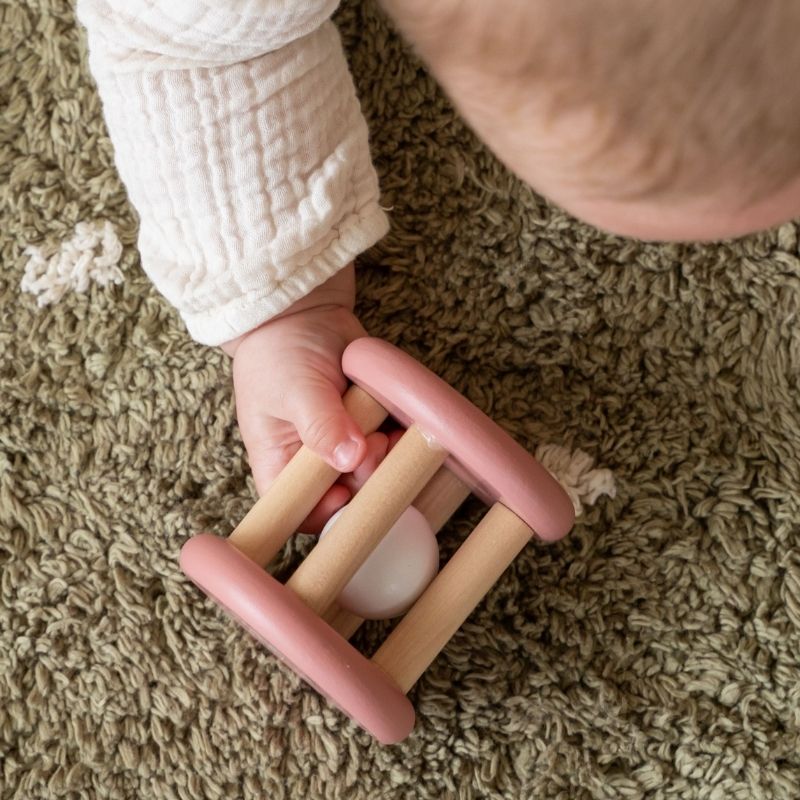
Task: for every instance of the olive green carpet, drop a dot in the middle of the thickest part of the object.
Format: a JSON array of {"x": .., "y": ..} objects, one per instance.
[{"x": 654, "y": 653}]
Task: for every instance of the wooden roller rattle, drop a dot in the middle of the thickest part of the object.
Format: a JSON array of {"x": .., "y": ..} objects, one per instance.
[{"x": 449, "y": 449}]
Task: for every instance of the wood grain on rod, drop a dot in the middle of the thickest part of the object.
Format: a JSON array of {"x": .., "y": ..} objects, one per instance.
[
  {"x": 297, "y": 489},
  {"x": 408, "y": 466},
  {"x": 437, "y": 502},
  {"x": 455, "y": 591}
]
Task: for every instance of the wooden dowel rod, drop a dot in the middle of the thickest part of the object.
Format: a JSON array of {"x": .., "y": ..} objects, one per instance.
[
  {"x": 297, "y": 489},
  {"x": 408, "y": 466},
  {"x": 450, "y": 599},
  {"x": 437, "y": 502},
  {"x": 440, "y": 498},
  {"x": 344, "y": 622}
]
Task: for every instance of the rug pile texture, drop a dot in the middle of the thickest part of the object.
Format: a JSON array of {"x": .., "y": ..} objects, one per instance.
[{"x": 654, "y": 653}]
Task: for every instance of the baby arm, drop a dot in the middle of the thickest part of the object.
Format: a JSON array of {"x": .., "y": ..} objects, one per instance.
[{"x": 241, "y": 143}]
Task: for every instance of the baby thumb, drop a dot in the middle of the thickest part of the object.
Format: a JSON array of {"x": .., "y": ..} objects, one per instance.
[{"x": 325, "y": 427}]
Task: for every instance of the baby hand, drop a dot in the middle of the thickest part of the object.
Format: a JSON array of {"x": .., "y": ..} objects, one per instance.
[{"x": 288, "y": 383}]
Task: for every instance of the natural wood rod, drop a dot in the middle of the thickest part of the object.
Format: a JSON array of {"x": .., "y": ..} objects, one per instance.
[{"x": 297, "y": 489}]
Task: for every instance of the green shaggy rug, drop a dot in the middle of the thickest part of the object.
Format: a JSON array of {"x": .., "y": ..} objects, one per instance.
[{"x": 654, "y": 653}]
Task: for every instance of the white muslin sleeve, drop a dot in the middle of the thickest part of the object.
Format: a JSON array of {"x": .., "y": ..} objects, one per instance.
[{"x": 240, "y": 140}]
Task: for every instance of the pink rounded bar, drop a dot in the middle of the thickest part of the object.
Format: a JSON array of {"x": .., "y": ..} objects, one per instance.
[
  {"x": 290, "y": 630},
  {"x": 482, "y": 454}
]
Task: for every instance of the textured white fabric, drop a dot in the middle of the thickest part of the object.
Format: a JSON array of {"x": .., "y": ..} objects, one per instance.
[{"x": 240, "y": 140}]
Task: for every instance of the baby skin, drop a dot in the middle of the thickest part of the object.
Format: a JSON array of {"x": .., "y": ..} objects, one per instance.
[{"x": 637, "y": 120}]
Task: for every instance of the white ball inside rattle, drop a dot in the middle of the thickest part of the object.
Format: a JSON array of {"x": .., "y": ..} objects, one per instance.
[{"x": 396, "y": 572}]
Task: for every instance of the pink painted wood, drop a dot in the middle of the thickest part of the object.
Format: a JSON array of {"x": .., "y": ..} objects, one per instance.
[
  {"x": 290, "y": 630},
  {"x": 482, "y": 454}
]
